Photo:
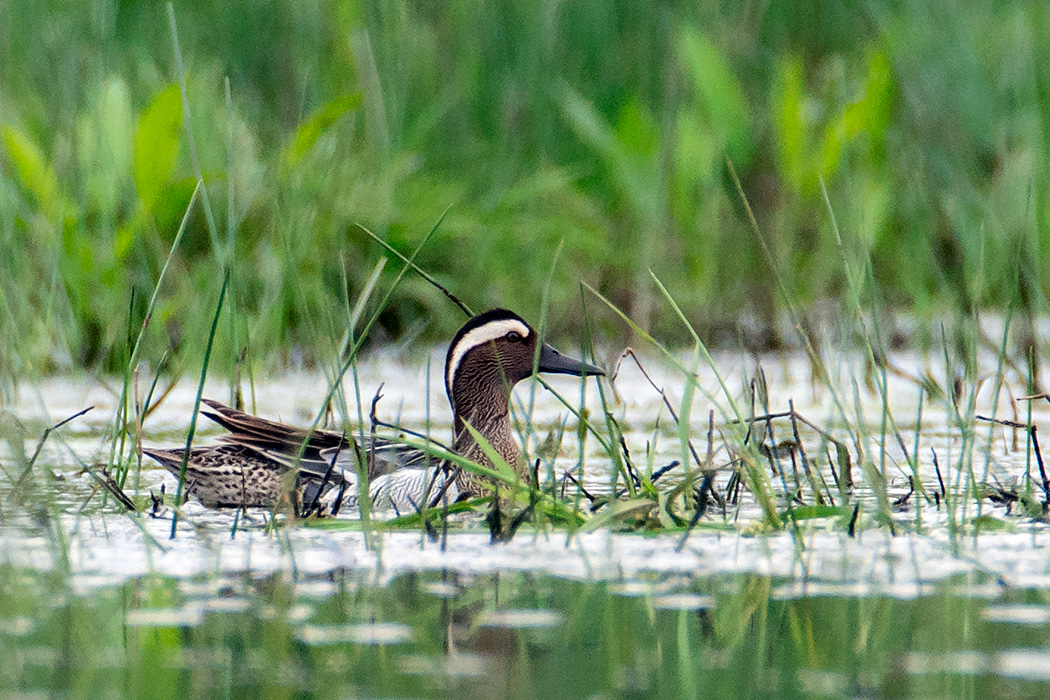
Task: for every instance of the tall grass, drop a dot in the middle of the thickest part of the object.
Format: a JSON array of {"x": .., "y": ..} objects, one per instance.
[{"x": 603, "y": 127}]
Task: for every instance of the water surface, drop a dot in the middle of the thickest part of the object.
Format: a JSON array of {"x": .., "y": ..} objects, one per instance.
[{"x": 950, "y": 602}]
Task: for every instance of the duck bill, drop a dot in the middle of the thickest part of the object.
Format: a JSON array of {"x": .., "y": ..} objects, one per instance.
[{"x": 553, "y": 362}]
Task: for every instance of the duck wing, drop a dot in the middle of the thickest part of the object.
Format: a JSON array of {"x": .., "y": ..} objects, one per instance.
[{"x": 277, "y": 441}]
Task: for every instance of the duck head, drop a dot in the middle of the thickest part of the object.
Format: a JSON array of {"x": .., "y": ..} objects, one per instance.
[{"x": 494, "y": 351}]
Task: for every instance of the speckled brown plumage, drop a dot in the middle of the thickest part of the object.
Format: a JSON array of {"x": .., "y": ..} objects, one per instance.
[
  {"x": 253, "y": 465},
  {"x": 228, "y": 476}
]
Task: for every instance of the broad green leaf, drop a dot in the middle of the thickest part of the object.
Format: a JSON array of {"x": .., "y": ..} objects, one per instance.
[
  {"x": 871, "y": 113},
  {"x": 104, "y": 146},
  {"x": 633, "y": 162},
  {"x": 157, "y": 145},
  {"x": 315, "y": 125},
  {"x": 171, "y": 204},
  {"x": 867, "y": 116},
  {"x": 790, "y": 126},
  {"x": 35, "y": 173},
  {"x": 722, "y": 94},
  {"x": 592, "y": 128},
  {"x": 835, "y": 140},
  {"x": 637, "y": 131},
  {"x": 126, "y": 233},
  {"x": 697, "y": 154},
  {"x": 246, "y": 172}
]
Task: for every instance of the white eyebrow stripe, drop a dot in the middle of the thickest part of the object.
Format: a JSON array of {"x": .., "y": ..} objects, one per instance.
[{"x": 492, "y": 330}]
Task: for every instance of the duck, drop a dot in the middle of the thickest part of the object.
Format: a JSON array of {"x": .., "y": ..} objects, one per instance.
[{"x": 260, "y": 463}]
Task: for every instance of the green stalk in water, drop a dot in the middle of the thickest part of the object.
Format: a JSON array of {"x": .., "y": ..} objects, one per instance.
[{"x": 197, "y": 403}]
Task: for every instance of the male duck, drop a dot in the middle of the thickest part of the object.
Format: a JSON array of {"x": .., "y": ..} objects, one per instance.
[{"x": 253, "y": 465}]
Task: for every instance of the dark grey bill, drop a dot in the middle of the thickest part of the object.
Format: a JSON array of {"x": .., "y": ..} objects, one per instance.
[{"x": 554, "y": 362}]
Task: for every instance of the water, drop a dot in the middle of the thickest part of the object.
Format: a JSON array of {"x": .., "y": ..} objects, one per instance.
[
  {"x": 447, "y": 634},
  {"x": 96, "y": 602}
]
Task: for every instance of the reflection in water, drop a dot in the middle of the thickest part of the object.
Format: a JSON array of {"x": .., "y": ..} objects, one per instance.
[{"x": 510, "y": 635}]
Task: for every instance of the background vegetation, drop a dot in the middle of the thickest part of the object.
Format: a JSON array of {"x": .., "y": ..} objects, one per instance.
[{"x": 604, "y": 127}]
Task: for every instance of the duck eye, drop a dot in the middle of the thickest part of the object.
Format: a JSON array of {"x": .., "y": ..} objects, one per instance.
[{"x": 514, "y": 337}]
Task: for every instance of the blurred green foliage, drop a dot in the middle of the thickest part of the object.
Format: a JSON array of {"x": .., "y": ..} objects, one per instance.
[{"x": 603, "y": 125}]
